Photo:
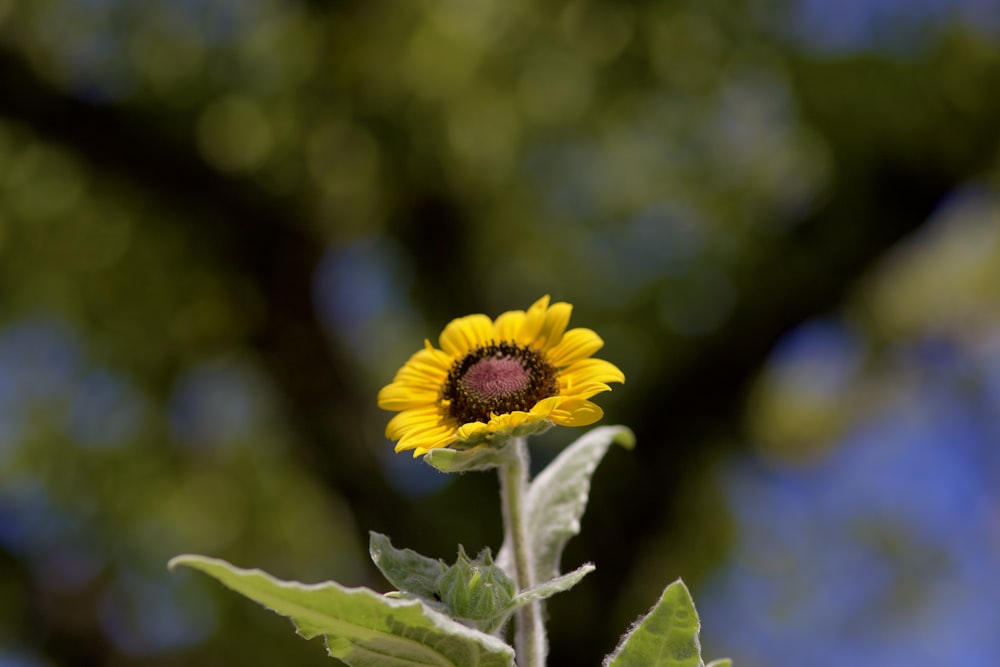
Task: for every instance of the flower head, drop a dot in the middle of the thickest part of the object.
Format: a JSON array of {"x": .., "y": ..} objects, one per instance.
[{"x": 493, "y": 380}]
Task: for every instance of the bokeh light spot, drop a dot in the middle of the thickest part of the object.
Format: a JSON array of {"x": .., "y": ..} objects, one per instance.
[{"x": 234, "y": 134}]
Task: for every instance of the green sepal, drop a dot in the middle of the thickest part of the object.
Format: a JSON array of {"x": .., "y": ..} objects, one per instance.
[
  {"x": 482, "y": 452},
  {"x": 665, "y": 637},
  {"x": 482, "y": 457},
  {"x": 498, "y": 440},
  {"x": 362, "y": 628},
  {"x": 405, "y": 569}
]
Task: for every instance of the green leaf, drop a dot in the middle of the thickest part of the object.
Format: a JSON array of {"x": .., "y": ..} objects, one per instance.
[
  {"x": 557, "y": 498},
  {"x": 553, "y": 586},
  {"x": 362, "y": 628},
  {"x": 721, "y": 662},
  {"x": 666, "y": 637},
  {"x": 405, "y": 569}
]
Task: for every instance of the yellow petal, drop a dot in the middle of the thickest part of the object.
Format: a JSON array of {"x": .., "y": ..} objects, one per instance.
[
  {"x": 465, "y": 334},
  {"x": 418, "y": 382},
  {"x": 534, "y": 318},
  {"x": 590, "y": 370},
  {"x": 404, "y": 397},
  {"x": 508, "y": 326},
  {"x": 508, "y": 420},
  {"x": 433, "y": 438},
  {"x": 504, "y": 425},
  {"x": 553, "y": 326},
  {"x": 438, "y": 443},
  {"x": 576, "y": 412},
  {"x": 544, "y": 407},
  {"x": 417, "y": 419},
  {"x": 576, "y": 344},
  {"x": 472, "y": 430},
  {"x": 421, "y": 375},
  {"x": 586, "y": 390},
  {"x": 429, "y": 360}
]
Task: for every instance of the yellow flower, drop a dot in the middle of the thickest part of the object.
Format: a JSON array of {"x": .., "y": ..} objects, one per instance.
[{"x": 492, "y": 380}]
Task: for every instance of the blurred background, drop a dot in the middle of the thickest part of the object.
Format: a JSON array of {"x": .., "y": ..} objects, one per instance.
[{"x": 224, "y": 224}]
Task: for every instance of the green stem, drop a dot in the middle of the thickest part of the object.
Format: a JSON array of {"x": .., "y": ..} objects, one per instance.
[{"x": 529, "y": 639}]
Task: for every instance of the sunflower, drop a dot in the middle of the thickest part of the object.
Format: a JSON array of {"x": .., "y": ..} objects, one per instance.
[{"x": 493, "y": 380}]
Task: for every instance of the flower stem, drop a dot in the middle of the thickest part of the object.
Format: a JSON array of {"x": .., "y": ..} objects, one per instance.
[{"x": 530, "y": 642}]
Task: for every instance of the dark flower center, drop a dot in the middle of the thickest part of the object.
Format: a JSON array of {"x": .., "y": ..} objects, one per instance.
[{"x": 495, "y": 379}]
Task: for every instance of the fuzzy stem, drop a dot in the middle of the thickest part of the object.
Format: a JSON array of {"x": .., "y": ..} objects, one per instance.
[{"x": 530, "y": 642}]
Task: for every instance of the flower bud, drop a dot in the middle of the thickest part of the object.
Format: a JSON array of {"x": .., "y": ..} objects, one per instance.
[{"x": 477, "y": 590}]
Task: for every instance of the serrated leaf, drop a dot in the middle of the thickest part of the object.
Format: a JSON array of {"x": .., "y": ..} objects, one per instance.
[
  {"x": 405, "y": 569},
  {"x": 483, "y": 457},
  {"x": 557, "y": 498},
  {"x": 666, "y": 637},
  {"x": 362, "y": 628},
  {"x": 553, "y": 586}
]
